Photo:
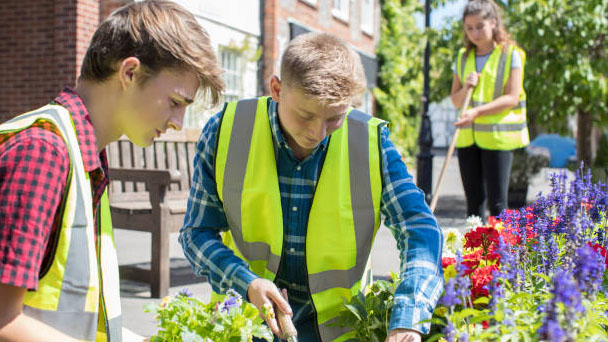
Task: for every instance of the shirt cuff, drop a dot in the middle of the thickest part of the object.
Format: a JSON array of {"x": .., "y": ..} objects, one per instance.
[
  {"x": 242, "y": 278},
  {"x": 407, "y": 315}
]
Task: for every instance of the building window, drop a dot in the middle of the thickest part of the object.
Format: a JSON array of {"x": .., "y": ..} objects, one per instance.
[
  {"x": 367, "y": 103},
  {"x": 231, "y": 61},
  {"x": 310, "y": 2},
  {"x": 367, "y": 16},
  {"x": 341, "y": 9}
]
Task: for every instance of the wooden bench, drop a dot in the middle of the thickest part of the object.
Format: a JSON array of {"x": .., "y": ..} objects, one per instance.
[{"x": 149, "y": 190}]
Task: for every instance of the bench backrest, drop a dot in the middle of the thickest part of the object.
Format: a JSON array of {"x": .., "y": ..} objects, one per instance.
[{"x": 172, "y": 151}]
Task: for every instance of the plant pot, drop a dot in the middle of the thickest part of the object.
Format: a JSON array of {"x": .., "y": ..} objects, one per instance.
[{"x": 517, "y": 197}]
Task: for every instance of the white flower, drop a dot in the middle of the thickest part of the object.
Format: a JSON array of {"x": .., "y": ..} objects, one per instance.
[
  {"x": 452, "y": 242},
  {"x": 474, "y": 222}
]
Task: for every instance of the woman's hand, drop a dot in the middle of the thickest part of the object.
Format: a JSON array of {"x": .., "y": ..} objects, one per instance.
[
  {"x": 466, "y": 118},
  {"x": 471, "y": 80}
]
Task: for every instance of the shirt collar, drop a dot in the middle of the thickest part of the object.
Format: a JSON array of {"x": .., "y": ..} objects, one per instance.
[
  {"x": 85, "y": 133},
  {"x": 277, "y": 132}
]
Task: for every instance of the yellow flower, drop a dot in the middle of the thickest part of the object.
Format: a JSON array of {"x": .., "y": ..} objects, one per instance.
[
  {"x": 165, "y": 301},
  {"x": 267, "y": 311},
  {"x": 441, "y": 311},
  {"x": 449, "y": 273}
]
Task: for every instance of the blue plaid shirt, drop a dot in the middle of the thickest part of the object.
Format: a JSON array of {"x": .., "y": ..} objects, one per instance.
[{"x": 419, "y": 238}]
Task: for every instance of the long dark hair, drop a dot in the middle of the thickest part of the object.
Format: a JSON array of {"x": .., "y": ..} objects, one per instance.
[{"x": 488, "y": 10}]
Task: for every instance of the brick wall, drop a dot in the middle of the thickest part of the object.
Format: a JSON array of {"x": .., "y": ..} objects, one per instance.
[
  {"x": 43, "y": 43},
  {"x": 27, "y": 43},
  {"x": 317, "y": 17}
]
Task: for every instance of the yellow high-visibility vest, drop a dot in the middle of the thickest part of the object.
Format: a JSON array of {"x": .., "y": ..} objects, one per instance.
[
  {"x": 508, "y": 129},
  {"x": 79, "y": 295},
  {"x": 343, "y": 220}
]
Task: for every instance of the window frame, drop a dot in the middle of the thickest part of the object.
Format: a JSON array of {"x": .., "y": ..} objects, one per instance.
[
  {"x": 339, "y": 12},
  {"x": 367, "y": 24},
  {"x": 234, "y": 86}
]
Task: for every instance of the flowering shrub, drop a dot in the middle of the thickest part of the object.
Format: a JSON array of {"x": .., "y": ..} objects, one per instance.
[
  {"x": 536, "y": 274},
  {"x": 186, "y": 318}
]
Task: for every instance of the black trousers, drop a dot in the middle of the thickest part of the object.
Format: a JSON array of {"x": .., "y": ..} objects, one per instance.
[{"x": 485, "y": 176}]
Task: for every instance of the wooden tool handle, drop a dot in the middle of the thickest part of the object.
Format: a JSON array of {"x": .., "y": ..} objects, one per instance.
[
  {"x": 287, "y": 327},
  {"x": 448, "y": 156}
]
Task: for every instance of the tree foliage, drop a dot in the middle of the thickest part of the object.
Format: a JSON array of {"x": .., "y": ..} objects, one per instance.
[
  {"x": 399, "y": 90},
  {"x": 401, "y": 55},
  {"x": 567, "y": 65}
]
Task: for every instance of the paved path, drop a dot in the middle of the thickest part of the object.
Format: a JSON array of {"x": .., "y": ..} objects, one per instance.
[{"x": 133, "y": 248}]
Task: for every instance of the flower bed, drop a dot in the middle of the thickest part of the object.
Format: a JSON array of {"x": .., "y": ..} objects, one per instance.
[{"x": 535, "y": 274}]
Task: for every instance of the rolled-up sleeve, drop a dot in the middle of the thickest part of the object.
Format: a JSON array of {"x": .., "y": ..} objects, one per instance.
[{"x": 205, "y": 219}]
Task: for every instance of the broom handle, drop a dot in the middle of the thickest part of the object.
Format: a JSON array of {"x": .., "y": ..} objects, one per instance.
[{"x": 465, "y": 104}]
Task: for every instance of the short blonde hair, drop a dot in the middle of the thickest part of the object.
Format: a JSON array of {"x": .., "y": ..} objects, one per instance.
[
  {"x": 162, "y": 35},
  {"x": 324, "y": 67}
]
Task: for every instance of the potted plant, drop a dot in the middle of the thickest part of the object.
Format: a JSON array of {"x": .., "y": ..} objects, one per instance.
[{"x": 527, "y": 162}]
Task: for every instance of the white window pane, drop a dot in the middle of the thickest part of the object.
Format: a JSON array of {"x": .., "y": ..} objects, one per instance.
[{"x": 231, "y": 61}]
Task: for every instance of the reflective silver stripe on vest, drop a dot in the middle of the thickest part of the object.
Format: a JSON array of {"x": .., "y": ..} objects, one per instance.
[
  {"x": 501, "y": 74},
  {"x": 115, "y": 329},
  {"x": 520, "y": 105},
  {"x": 80, "y": 325},
  {"x": 70, "y": 315},
  {"x": 329, "y": 331},
  {"x": 234, "y": 177},
  {"x": 463, "y": 61},
  {"x": 500, "y": 127},
  {"x": 362, "y": 204}
]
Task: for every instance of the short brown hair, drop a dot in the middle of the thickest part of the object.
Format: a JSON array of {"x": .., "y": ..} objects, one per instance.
[
  {"x": 162, "y": 35},
  {"x": 325, "y": 67}
]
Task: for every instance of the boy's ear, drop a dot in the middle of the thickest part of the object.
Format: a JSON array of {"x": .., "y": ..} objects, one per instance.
[
  {"x": 275, "y": 88},
  {"x": 129, "y": 69}
]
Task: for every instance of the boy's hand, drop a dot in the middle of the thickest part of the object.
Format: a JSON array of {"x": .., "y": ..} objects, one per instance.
[
  {"x": 403, "y": 335},
  {"x": 265, "y": 296}
]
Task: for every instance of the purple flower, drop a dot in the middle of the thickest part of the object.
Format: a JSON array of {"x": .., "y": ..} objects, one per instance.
[
  {"x": 232, "y": 300},
  {"x": 588, "y": 270},
  {"x": 552, "y": 331},
  {"x": 457, "y": 288},
  {"x": 565, "y": 290},
  {"x": 185, "y": 292},
  {"x": 450, "y": 332}
]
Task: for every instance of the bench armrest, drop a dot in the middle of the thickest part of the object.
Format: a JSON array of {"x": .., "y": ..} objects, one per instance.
[{"x": 165, "y": 177}]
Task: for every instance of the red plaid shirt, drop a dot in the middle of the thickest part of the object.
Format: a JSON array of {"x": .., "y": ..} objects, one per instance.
[{"x": 33, "y": 171}]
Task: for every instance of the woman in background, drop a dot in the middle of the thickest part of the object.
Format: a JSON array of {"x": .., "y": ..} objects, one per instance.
[{"x": 494, "y": 123}]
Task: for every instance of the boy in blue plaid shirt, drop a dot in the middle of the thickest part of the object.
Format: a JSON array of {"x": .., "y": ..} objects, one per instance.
[{"x": 288, "y": 192}]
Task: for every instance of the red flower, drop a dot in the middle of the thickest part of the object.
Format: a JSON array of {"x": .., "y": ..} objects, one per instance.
[
  {"x": 475, "y": 256},
  {"x": 492, "y": 221},
  {"x": 585, "y": 204},
  {"x": 481, "y": 237},
  {"x": 509, "y": 237},
  {"x": 471, "y": 266},
  {"x": 600, "y": 249},
  {"x": 481, "y": 277},
  {"x": 445, "y": 262},
  {"x": 472, "y": 239}
]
